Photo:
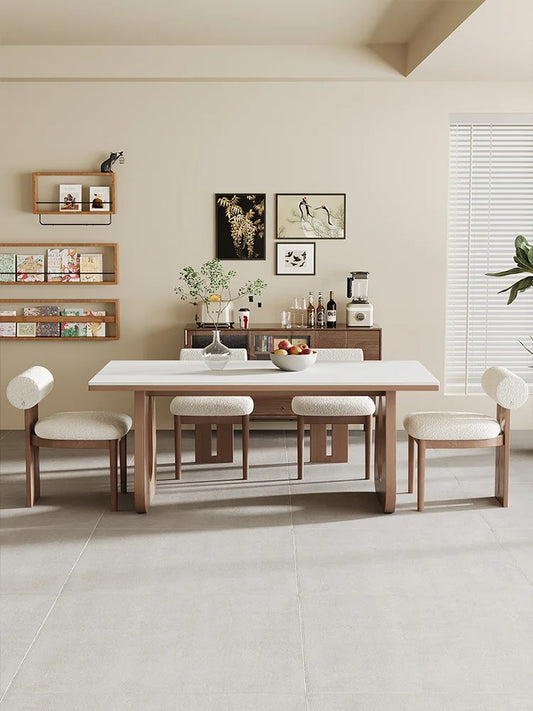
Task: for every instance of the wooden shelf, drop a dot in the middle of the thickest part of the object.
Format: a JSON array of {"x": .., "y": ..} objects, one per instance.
[
  {"x": 369, "y": 339},
  {"x": 111, "y": 318},
  {"x": 45, "y": 189},
  {"x": 109, "y": 252}
]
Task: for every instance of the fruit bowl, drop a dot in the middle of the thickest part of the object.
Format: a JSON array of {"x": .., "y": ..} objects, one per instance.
[{"x": 293, "y": 362}]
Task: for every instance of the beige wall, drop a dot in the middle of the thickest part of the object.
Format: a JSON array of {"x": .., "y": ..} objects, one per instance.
[{"x": 385, "y": 144}]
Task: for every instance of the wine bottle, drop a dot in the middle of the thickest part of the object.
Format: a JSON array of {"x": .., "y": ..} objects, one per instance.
[
  {"x": 311, "y": 313},
  {"x": 320, "y": 312},
  {"x": 331, "y": 312}
]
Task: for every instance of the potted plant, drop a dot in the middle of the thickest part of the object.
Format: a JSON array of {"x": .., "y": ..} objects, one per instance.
[
  {"x": 524, "y": 264},
  {"x": 212, "y": 285}
]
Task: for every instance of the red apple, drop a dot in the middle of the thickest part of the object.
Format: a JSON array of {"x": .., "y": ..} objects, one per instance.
[
  {"x": 305, "y": 350},
  {"x": 284, "y": 344},
  {"x": 294, "y": 350}
]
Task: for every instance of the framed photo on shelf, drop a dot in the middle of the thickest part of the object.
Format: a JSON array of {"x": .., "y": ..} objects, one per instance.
[
  {"x": 295, "y": 258},
  {"x": 240, "y": 225},
  {"x": 99, "y": 199},
  {"x": 311, "y": 216},
  {"x": 70, "y": 198}
]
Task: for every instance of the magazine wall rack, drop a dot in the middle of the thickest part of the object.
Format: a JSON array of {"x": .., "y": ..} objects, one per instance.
[
  {"x": 77, "y": 319},
  {"x": 74, "y": 195},
  {"x": 59, "y": 263}
]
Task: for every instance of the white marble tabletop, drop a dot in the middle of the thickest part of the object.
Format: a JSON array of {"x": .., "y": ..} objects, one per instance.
[{"x": 262, "y": 375}]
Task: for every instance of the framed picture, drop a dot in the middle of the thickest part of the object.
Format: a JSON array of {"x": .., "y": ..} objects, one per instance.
[
  {"x": 295, "y": 258},
  {"x": 240, "y": 225},
  {"x": 99, "y": 200},
  {"x": 70, "y": 198},
  {"x": 311, "y": 216}
]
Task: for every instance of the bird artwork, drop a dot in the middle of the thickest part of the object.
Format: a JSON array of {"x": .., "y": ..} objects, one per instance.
[{"x": 313, "y": 216}]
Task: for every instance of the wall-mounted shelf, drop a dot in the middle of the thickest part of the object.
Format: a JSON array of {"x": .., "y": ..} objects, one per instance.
[
  {"x": 46, "y": 197},
  {"x": 110, "y": 319},
  {"x": 93, "y": 272}
]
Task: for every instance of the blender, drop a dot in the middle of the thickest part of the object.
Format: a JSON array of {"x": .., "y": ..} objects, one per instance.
[{"x": 359, "y": 312}]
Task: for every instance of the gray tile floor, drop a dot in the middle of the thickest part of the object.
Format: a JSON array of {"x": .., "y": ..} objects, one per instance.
[{"x": 267, "y": 595}]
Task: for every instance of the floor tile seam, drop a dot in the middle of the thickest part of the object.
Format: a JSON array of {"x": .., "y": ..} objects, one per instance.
[
  {"x": 299, "y": 605},
  {"x": 49, "y": 612}
]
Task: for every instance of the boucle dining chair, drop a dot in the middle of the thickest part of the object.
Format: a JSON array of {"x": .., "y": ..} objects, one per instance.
[
  {"x": 337, "y": 412},
  {"x": 68, "y": 430},
  {"x": 452, "y": 430},
  {"x": 206, "y": 412}
]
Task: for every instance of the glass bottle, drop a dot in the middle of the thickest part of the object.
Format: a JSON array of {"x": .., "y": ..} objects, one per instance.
[
  {"x": 320, "y": 312},
  {"x": 216, "y": 355},
  {"x": 311, "y": 313},
  {"x": 331, "y": 312}
]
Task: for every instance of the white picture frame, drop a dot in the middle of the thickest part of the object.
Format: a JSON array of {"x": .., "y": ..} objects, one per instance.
[
  {"x": 99, "y": 198},
  {"x": 70, "y": 198}
]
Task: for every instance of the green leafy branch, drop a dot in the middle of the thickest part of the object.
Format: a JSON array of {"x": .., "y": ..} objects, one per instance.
[
  {"x": 529, "y": 350},
  {"x": 524, "y": 261},
  {"x": 212, "y": 285}
]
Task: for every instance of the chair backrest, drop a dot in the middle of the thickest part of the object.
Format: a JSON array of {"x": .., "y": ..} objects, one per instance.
[
  {"x": 196, "y": 353},
  {"x": 342, "y": 354},
  {"x": 30, "y": 387},
  {"x": 508, "y": 389}
]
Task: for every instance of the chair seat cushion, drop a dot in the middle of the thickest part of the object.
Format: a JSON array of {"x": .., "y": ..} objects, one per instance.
[
  {"x": 451, "y": 425},
  {"x": 331, "y": 406},
  {"x": 89, "y": 425},
  {"x": 211, "y": 406}
]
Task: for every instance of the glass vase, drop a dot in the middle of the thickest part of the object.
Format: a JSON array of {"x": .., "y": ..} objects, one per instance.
[{"x": 216, "y": 355}]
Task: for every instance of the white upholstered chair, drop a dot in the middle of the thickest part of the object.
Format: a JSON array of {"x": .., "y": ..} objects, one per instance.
[
  {"x": 336, "y": 411},
  {"x": 451, "y": 430},
  {"x": 204, "y": 412},
  {"x": 71, "y": 430}
]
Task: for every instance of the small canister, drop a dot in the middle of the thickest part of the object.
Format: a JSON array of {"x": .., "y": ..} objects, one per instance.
[{"x": 244, "y": 317}]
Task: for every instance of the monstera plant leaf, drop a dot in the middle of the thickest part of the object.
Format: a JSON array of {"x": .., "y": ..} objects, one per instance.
[{"x": 524, "y": 265}]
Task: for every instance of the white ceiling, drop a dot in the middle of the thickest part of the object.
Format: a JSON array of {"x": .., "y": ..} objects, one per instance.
[{"x": 444, "y": 39}]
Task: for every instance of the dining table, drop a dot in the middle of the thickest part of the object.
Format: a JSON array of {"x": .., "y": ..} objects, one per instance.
[{"x": 261, "y": 379}]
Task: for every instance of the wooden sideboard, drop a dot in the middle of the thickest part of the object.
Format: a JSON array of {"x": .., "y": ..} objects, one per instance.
[{"x": 259, "y": 340}]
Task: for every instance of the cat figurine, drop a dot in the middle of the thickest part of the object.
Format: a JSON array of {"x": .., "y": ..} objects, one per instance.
[{"x": 107, "y": 165}]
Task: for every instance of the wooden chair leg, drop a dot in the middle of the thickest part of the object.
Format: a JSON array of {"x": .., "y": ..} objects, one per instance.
[
  {"x": 123, "y": 454},
  {"x": 245, "y": 444},
  {"x": 368, "y": 445},
  {"x": 177, "y": 446},
  {"x": 113, "y": 455},
  {"x": 300, "y": 446},
  {"x": 421, "y": 474},
  {"x": 505, "y": 473},
  {"x": 410, "y": 464}
]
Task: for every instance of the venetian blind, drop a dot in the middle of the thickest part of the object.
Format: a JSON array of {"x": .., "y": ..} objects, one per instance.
[{"x": 490, "y": 203}]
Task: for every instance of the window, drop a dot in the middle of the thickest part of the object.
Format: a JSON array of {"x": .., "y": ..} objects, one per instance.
[{"x": 490, "y": 203}]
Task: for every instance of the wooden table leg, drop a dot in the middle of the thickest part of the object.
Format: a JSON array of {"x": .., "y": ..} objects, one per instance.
[
  {"x": 385, "y": 457},
  {"x": 145, "y": 451}
]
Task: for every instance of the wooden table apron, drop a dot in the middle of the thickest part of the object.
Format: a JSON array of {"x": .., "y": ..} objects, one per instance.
[{"x": 146, "y": 389}]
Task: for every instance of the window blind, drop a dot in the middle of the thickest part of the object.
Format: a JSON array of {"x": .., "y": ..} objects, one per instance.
[{"x": 490, "y": 203}]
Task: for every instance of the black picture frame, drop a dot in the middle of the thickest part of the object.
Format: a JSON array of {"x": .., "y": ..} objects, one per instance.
[
  {"x": 240, "y": 226},
  {"x": 295, "y": 258}
]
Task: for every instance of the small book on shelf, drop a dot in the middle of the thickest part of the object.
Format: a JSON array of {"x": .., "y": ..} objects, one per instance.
[
  {"x": 96, "y": 329},
  {"x": 73, "y": 329},
  {"x": 70, "y": 198},
  {"x": 8, "y": 330},
  {"x": 70, "y": 265},
  {"x": 54, "y": 265},
  {"x": 48, "y": 329},
  {"x": 26, "y": 330},
  {"x": 7, "y": 268},
  {"x": 91, "y": 268},
  {"x": 99, "y": 200},
  {"x": 30, "y": 267}
]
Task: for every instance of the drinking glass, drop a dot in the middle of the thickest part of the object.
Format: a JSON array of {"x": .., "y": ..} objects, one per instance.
[
  {"x": 285, "y": 319},
  {"x": 299, "y": 312}
]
